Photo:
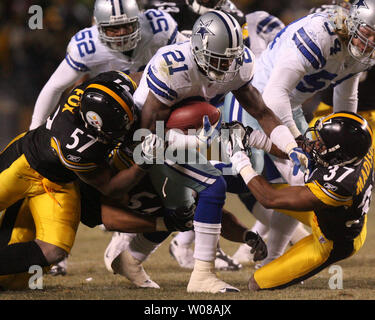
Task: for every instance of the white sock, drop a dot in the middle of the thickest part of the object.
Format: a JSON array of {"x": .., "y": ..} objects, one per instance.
[
  {"x": 185, "y": 238},
  {"x": 262, "y": 214},
  {"x": 206, "y": 239},
  {"x": 281, "y": 230},
  {"x": 260, "y": 228},
  {"x": 140, "y": 247}
]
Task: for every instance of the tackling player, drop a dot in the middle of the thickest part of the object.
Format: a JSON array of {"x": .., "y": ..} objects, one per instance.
[
  {"x": 122, "y": 38},
  {"x": 336, "y": 199},
  {"x": 324, "y": 49},
  {"x": 43, "y": 165}
]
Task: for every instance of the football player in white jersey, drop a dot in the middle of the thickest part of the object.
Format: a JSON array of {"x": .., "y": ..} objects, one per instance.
[
  {"x": 122, "y": 38},
  {"x": 261, "y": 28},
  {"x": 320, "y": 50},
  {"x": 209, "y": 66}
]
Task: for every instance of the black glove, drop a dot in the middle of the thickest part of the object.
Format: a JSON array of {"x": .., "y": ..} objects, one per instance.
[
  {"x": 180, "y": 219},
  {"x": 258, "y": 246}
]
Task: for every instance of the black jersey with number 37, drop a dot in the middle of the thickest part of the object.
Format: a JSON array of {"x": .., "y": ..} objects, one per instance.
[{"x": 347, "y": 192}]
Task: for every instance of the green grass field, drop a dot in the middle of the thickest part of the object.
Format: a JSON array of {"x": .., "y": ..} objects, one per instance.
[{"x": 89, "y": 279}]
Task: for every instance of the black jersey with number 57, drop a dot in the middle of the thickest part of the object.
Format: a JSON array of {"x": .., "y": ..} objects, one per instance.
[
  {"x": 63, "y": 145},
  {"x": 347, "y": 192}
]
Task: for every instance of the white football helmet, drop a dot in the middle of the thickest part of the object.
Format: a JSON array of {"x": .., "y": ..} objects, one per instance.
[
  {"x": 217, "y": 45},
  {"x": 115, "y": 13},
  {"x": 361, "y": 25}
]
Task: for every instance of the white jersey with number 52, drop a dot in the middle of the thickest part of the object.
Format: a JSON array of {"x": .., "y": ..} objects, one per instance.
[{"x": 87, "y": 53}]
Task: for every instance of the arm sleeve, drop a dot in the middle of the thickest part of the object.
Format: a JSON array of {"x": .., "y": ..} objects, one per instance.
[
  {"x": 345, "y": 95},
  {"x": 61, "y": 79},
  {"x": 284, "y": 78},
  {"x": 258, "y": 139}
]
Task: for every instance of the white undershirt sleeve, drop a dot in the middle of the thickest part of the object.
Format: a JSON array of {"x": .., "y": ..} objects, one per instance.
[
  {"x": 285, "y": 76},
  {"x": 61, "y": 79},
  {"x": 345, "y": 95}
]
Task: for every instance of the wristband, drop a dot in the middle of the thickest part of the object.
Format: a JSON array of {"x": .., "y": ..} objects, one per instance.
[
  {"x": 294, "y": 130},
  {"x": 283, "y": 138},
  {"x": 240, "y": 160},
  {"x": 248, "y": 173}
]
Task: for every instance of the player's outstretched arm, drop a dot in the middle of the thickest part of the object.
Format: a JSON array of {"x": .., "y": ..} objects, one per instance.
[
  {"x": 123, "y": 219},
  {"x": 116, "y": 186},
  {"x": 296, "y": 198},
  {"x": 48, "y": 98},
  {"x": 251, "y": 100}
]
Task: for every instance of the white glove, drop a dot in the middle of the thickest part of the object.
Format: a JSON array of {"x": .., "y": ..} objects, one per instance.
[
  {"x": 239, "y": 161},
  {"x": 152, "y": 149}
]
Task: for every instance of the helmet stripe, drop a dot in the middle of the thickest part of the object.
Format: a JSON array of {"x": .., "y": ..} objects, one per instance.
[
  {"x": 234, "y": 28},
  {"x": 116, "y": 7},
  {"x": 219, "y": 14},
  {"x": 351, "y": 116},
  {"x": 114, "y": 96},
  {"x": 121, "y": 7},
  {"x": 113, "y": 8},
  {"x": 128, "y": 78}
]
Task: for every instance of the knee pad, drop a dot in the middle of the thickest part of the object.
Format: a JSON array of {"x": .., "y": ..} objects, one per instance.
[
  {"x": 216, "y": 192},
  {"x": 211, "y": 201}
]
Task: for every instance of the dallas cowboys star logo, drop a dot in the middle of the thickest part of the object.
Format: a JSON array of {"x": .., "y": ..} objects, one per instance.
[
  {"x": 361, "y": 3},
  {"x": 203, "y": 29}
]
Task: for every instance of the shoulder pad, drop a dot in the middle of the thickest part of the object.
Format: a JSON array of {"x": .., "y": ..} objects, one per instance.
[
  {"x": 161, "y": 26},
  {"x": 82, "y": 49},
  {"x": 333, "y": 185}
]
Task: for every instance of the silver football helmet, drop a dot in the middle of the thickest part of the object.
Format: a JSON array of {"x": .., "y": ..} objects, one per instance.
[
  {"x": 113, "y": 14},
  {"x": 203, "y": 6},
  {"x": 217, "y": 45},
  {"x": 361, "y": 28}
]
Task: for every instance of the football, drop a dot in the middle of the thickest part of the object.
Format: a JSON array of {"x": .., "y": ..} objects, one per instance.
[{"x": 190, "y": 116}]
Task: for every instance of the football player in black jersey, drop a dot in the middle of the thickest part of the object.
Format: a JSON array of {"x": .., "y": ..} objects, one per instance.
[
  {"x": 336, "y": 198},
  {"x": 43, "y": 165}
]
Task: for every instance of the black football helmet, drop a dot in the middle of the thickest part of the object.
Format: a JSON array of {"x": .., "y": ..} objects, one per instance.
[
  {"x": 341, "y": 138},
  {"x": 107, "y": 106}
]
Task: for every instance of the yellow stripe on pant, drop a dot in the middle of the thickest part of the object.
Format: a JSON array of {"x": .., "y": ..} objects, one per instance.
[
  {"x": 307, "y": 257},
  {"x": 56, "y": 213}
]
